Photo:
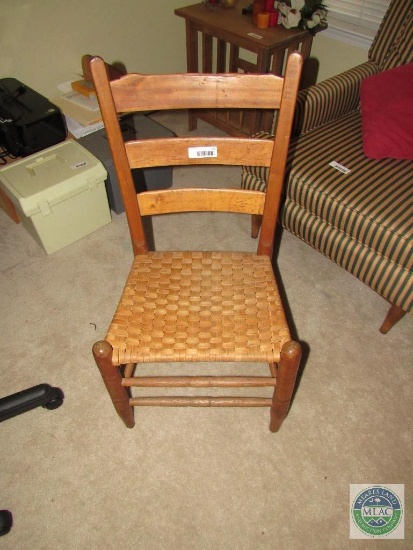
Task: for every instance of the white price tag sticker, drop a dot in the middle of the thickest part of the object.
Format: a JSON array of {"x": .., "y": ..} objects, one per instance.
[
  {"x": 339, "y": 167},
  {"x": 202, "y": 152}
]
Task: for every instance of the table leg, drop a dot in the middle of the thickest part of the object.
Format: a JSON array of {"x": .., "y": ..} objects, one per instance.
[
  {"x": 260, "y": 120},
  {"x": 222, "y": 57},
  {"x": 206, "y": 53},
  {"x": 191, "y": 63}
]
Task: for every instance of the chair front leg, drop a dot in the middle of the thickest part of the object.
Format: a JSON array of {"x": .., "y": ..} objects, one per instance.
[
  {"x": 102, "y": 352},
  {"x": 393, "y": 316},
  {"x": 286, "y": 375}
]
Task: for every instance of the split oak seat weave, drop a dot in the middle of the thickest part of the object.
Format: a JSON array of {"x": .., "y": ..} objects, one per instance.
[
  {"x": 206, "y": 307},
  {"x": 192, "y": 306}
]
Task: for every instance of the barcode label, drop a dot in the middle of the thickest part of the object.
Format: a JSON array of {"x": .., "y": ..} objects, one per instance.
[
  {"x": 339, "y": 167},
  {"x": 78, "y": 165},
  {"x": 202, "y": 152}
]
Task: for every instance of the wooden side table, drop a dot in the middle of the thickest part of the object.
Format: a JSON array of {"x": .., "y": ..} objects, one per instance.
[{"x": 214, "y": 39}]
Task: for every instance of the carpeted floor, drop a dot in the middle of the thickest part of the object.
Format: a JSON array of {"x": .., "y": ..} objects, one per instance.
[{"x": 76, "y": 478}]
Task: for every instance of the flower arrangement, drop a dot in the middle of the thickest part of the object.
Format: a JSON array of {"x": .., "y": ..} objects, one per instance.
[{"x": 307, "y": 14}]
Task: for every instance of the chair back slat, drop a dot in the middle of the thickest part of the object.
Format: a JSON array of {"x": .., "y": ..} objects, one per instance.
[
  {"x": 183, "y": 151},
  {"x": 196, "y": 91},
  {"x": 201, "y": 200}
]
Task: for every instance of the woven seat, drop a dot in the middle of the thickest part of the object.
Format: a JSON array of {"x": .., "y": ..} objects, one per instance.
[
  {"x": 199, "y": 306},
  {"x": 203, "y": 306}
]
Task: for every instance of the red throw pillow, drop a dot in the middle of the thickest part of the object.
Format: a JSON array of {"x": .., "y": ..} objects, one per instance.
[{"x": 387, "y": 114}]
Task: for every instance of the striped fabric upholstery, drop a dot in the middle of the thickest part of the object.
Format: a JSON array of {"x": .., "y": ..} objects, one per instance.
[
  {"x": 361, "y": 220},
  {"x": 315, "y": 107},
  {"x": 330, "y": 99},
  {"x": 387, "y": 278},
  {"x": 393, "y": 44}
]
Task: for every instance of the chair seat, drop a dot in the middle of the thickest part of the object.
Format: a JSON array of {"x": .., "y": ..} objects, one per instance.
[{"x": 196, "y": 306}]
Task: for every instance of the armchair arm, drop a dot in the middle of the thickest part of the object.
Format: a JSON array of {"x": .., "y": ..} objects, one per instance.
[{"x": 330, "y": 99}]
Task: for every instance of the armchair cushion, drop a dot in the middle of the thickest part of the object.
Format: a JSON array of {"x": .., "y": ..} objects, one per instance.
[{"x": 387, "y": 114}]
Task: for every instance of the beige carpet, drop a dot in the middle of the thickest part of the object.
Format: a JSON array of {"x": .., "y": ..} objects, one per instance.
[{"x": 76, "y": 478}]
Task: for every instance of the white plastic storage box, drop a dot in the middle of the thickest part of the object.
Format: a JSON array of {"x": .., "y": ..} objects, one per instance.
[{"x": 59, "y": 194}]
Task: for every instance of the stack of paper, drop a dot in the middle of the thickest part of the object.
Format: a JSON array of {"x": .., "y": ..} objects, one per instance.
[
  {"x": 82, "y": 113},
  {"x": 79, "y": 130}
]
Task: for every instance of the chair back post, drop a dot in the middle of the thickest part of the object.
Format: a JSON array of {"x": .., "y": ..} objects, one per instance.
[
  {"x": 113, "y": 72},
  {"x": 280, "y": 151},
  {"x": 107, "y": 106}
]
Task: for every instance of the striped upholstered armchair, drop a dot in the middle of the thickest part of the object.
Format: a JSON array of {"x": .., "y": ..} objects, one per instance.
[{"x": 362, "y": 220}]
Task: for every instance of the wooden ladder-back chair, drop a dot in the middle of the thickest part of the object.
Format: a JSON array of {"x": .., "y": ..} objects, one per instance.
[{"x": 204, "y": 307}]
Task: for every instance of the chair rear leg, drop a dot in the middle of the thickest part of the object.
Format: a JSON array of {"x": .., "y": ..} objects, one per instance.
[
  {"x": 286, "y": 375},
  {"x": 102, "y": 352},
  {"x": 256, "y": 220}
]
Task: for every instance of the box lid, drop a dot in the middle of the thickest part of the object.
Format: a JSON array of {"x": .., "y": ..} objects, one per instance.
[{"x": 51, "y": 176}]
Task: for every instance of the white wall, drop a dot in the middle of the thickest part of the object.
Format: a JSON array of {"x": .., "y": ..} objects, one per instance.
[
  {"x": 42, "y": 41},
  {"x": 334, "y": 56}
]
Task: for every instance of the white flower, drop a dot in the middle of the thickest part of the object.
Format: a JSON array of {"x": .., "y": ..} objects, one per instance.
[
  {"x": 318, "y": 17},
  {"x": 282, "y": 8},
  {"x": 291, "y": 15},
  {"x": 291, "y": 19},
  {"x": 297, "y": 4},
  {"x": 314, "y": 21}
]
